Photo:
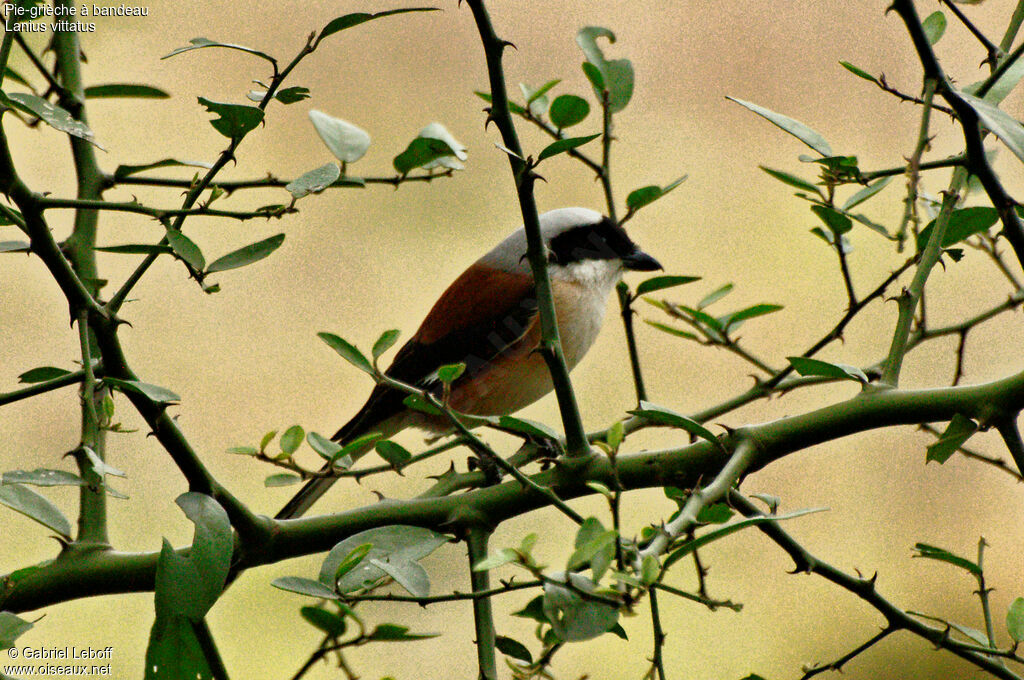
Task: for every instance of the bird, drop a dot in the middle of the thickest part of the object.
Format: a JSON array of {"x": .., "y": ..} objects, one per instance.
[{"x": 488, "y": 320}]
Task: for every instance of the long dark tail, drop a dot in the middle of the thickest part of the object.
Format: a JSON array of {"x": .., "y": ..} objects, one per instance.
[{"x": 311, "y": 492}]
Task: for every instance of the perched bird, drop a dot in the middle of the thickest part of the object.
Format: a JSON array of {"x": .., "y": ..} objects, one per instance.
[{"x": 488, "y": 320}]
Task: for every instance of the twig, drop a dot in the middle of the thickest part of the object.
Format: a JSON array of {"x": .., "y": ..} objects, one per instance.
[
  {"x": 914, "y": 166},
  {"x": 910, "y": 297},
  {"x": 658, "y": 635},
  {"x": 838, "y": 664},
  {"x": 977, "y": 162},
  {"x": 483, "y": 617},
  {"x": 994, "y": 53},
  {"x": 864, "y": 588},
  {"x": 551, "y": 345},
  {"x": 455, "y": 596},
  {"x": 271, "y": 182}
]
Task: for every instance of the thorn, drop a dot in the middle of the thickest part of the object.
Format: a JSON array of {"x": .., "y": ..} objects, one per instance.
[{"x": 506, "y": 43}]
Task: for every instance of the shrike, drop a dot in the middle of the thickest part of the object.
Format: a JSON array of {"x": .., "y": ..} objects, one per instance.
[{"x": 488, "y": 320}]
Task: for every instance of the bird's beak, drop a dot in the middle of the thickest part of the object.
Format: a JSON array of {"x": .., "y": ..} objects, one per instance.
[{"x": 640, "y": 261}]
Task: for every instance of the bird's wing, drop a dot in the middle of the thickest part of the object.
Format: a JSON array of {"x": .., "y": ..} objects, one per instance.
[{"x": 463, "y": 326}]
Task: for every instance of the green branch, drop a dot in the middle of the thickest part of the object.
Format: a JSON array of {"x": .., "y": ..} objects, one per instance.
[
  {"x": 865, "y": 589},
  {"x": 483, "y": 616},
  {"x": 685, "y": 466},
  {"x": 551, "y": 344}
]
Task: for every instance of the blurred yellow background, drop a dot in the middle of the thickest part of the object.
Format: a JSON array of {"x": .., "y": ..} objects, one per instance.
[{"x": 357, "y": 262}]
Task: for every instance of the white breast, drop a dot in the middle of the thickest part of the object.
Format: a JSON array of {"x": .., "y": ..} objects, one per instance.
[{"x": 581, "y": 294}]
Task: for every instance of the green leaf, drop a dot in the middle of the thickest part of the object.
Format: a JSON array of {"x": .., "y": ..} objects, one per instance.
[
  {"x": 212, "y": 548},
  {"x": 665, "y": 328},
  {"x": 535, "y": 95},
  {"x": 934, "y": 26},
  {"x": 314, "y": 181},
  {"x": 123, "y": 171},
  {"x": 136, "y": 249},
  {"x": 384, "y": 342},
  {"x": 717, "y": 534},
  {"x": 420, "y": 152},
  {"x": 873, "y": 226},
  {"x": 42, "y": 374},
  {"x": 568, "y": 110},
  {"x": 327, "y": 621},
  {"x": 348, "y": 351},
  {"x": 29, "y": 503},
  {"x": 242, "y": 450},
  {"x": 866, "y": 193},
  {"x": 254, "y": 252},
  {"x": 51, "y": 114},
  {"x": 43, "y": 477},
  {"x": 563, "y": 145},
  {"x": 534, "y": 609},
  {"x": 837, "y": 222},
  {"x": 1004, "y": 126},
  {"x": 389, "y": 632},
  {"x": 859, "y": 72},
  {"x": 574, "y": 617},
  {"x": 356, "y": 18},
  {"x": 616, "y": 76},
  {"x": 512, "y": 106},
  {"x": 1004, "y": 86},
  {"x": 325, "y": 447},
  {"x": 730, "y": 322},
  {"x": 346, "y": 141},
  {"x": 186, "y": 249},
  {"x": 281, "y": 479},
  {"x": 100, "y": 466},
  {"x": 15, "y": 247},
  {"x": 794, "y": 127},
  {"x": 395, "y": 454},
  {"x": 715, "y": 296},
  {"x": 131, "y": 90},
  {"x": 409, "y": 575},
  {"x": 199, "y": 43},
  {"x": 290, "y": 95},
  {"x": 450, "y": 373},
  {"x": 267, "y": 438},
  {"x": 155, "y": 393},
  {"x": 513, "y": 648},
  {"x": 395, "y": 544},
  {"x": 596, "y": 552},
  {"x": 352, "y": 560},
  {"x": 418, "y": 403},
  {"x": 956, "y": 435},
  {"x": 361, "y": 443},
  {"x": 963, "y": 223},
  {"x": 933, "y": 553},
  {"x": 1015, "y": 620},
  {"x": 174, "y": 650},
  {"x": 304, "y": 586},
  {"x": 495, "y": 560},
  {"x": 593, "y": 74},
  {"x": 716, "y": 513},
  {"x": 807, "y": 366},
  {"x": 662, "y": 282},
  {"x": 792, "y": 180},
  {"x": 11, "y": 628},
  {"x": 663, "y": 416},
  {"x": 536, "y": 100},
  {"x": 291, "y": 439},
  {"x": 235, "y": 120},
  {"x": 638, "y": 198},
  {"x": 527, "y": 427}
]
